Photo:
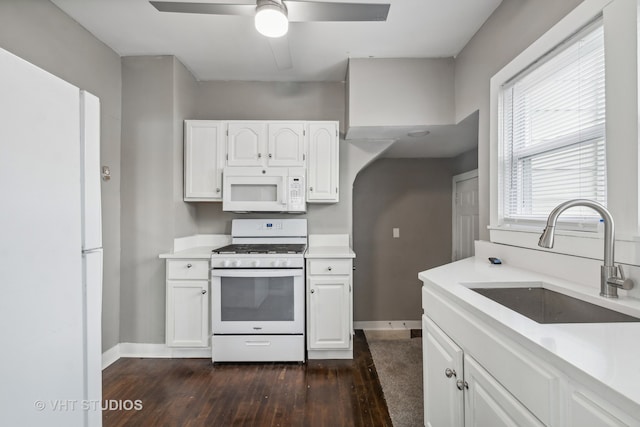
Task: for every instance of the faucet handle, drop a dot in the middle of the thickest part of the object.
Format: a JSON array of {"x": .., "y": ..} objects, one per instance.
[{"x": 622, "y": 281}]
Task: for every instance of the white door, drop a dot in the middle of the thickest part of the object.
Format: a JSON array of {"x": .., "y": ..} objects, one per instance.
[
  {"x": 246, "y": 144},
  {"x": 92, "y": 284},
  {"x": 443, "y": 401},
  {"x": 323, "y": 169},
  {"x": 286, "y": 144},
  {"x": 329, "y": 313},
  {"x": 465, "y": 215},
  {"x": 91, "y": 182},
  {"x": 41, "y": 308},
  {"x": 489, "y": 404},
  {"x": 203, "y": 160},
  {"x": 187, "y": 313}
]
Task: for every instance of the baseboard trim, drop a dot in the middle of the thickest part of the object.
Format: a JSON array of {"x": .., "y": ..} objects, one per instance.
[
  {"x": 158, "y": 351},
  {"x": 380, "y": 325},
  {"x": 110, "y": 356}
]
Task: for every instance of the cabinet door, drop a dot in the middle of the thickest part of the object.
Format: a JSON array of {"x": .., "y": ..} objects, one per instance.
[
  {"x": 329, "y": 311},
  {"x": 286, "y": 144},
  {"x": 586, "y": 409},
  {"x": 323, "y": 170},
  {"x": 203, "y": 160},
  {"x": 442, "y": 358},
  {"x": 487, "y": 403},
  {"x": 187, "y": 313},
  {"x": 246, "y": 144}
]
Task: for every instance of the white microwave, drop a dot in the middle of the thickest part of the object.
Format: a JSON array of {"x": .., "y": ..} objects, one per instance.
[{"x": 255, "y": 189}]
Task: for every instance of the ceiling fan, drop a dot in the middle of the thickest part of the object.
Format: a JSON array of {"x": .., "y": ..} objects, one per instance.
[{"x": 272, "y": 17}]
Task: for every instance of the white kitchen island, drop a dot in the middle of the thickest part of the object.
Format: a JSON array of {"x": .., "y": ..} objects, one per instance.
[{"x": 488, "y": 365}]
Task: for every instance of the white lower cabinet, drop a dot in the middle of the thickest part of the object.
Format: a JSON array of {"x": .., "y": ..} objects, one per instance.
[
  {"x": 587, "y": 409},
  {"x": 329, "y": 308},
  {"x": 459, "y": 392},
  {"x": 442, "y": 358},
  {"x": 478, "y": 374},
  {"x": 487, "y": 403},
  {"x": 187, "y": 306}
]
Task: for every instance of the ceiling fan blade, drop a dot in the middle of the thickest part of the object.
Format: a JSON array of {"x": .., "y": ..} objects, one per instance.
[
  {"x": 248, "y": 9},
  {"x": 281, "y": 52},
  {"x": 302, "y": 11}
]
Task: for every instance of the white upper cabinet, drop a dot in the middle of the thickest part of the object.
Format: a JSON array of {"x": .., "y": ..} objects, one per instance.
[
  {"x": 266, "y": 144},
  {"x": 246, "y": 143},
  {"x": 323, "y": 168},
  {"x": 286, "y": 144},
  {"x": 211, "y": 145},
  {"x": 204, "y": 154}
]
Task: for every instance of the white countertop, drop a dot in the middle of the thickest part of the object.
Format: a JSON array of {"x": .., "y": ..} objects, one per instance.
[
  {"x": 198, "y": 252},
  {"x": 329, "y": 246},
  {"x": 198, "y": 246},
  {"x": 329, "y": 252},
  {"x": 606, "y": 352}
]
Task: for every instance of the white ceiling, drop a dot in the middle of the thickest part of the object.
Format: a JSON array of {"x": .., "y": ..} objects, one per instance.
[{"x": 217, "y": 47}]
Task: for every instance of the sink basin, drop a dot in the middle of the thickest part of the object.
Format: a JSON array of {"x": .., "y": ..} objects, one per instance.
[{"x": 545, "y": 306}]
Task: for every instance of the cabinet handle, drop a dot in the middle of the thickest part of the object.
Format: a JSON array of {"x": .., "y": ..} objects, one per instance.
[
  {"x": 329, "y": 268},
  {"x": 313, "y": 291},
  {"x": 462, "y": 385},
  {"x": 310, "y": 188},
  {"x": 189, "y": 265},
  {"x": 270, "y": 155},
  {"x": 259, "y": 155},
  {"x": 204, "y": 291},
  {"x": 449, "y": 373},
  {"x": 217, "y": 190}
]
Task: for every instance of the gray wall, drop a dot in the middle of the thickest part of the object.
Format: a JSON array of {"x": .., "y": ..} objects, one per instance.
[
  {"x": 276, "y": 101},
  {"x": 39, "y": 32},
  {"x": 404, "y": 91},
  {"x": 158, "y": 94},
  {"x": 512, "y": 27},
  {"x": 413, "y": 195},
  {"x": 465, "y": 162}
]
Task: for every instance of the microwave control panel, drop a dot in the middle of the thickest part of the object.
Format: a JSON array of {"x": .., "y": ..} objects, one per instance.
[{"x": 296, "y": 193}]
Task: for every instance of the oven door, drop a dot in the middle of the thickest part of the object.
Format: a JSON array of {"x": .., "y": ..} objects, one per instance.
[{"x": 257, "y": 301}]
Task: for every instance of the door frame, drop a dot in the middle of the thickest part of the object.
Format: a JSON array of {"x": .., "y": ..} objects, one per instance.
[{"x": 454, "y": 229}]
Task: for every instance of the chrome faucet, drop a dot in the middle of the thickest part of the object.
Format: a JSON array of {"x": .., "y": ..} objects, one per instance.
[{"x": 611, "y": 276}]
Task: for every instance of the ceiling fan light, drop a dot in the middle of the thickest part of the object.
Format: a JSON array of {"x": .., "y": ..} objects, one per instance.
[{"x": 271, "y": 20}]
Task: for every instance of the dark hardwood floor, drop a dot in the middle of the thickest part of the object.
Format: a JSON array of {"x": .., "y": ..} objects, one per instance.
[{"x": 193, "y": 392}]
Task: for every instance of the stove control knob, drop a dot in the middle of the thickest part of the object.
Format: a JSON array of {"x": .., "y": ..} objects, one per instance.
[
  {"x": 236, "y": 263},
  {"x": 286, "y": 263},
  {"x": 226, "y": 263},
  {"x": 276, "y": 263},
  {"x": 256, "y": 263}
]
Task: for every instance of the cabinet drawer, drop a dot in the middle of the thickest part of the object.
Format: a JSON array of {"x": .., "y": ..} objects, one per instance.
[
  {"x": 187, "y": 269},
  {"x": 329, "y": 266}
]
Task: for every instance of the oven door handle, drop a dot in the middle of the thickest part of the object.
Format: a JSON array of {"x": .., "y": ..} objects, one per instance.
[{"x": 220, "y": 272}]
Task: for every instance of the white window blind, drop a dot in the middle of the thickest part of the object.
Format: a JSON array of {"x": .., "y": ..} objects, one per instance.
[{"x": 553, "y": 133}]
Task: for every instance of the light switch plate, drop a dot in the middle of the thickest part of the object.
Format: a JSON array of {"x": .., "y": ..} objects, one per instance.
[{"x": 396, "y": 233}]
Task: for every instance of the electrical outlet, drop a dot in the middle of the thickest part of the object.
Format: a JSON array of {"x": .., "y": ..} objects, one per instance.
[{"x": 396, "y": 233}]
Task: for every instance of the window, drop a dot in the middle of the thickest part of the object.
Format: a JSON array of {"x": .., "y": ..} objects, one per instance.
[{"x": 552, "y": 133}]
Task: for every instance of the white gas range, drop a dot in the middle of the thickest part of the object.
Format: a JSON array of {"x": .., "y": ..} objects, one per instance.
[{"x": 257, "y": 292}]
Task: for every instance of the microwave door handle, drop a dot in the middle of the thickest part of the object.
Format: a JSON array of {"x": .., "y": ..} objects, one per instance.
[
  {"x": 255, "y": 273},
  {"x": 284, "y": 191}
]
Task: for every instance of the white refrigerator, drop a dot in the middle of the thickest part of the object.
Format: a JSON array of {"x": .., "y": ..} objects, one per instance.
[{"x": 50, "y": 250}]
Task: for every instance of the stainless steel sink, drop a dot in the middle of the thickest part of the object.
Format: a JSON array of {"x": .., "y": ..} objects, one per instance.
[{"x": 546, "y": 306}]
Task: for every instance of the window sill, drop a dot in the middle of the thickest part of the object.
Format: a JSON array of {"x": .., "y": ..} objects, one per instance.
[{"x": 586, "y": 244}]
